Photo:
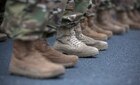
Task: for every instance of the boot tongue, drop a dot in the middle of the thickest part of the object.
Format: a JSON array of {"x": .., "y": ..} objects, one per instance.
[
  {"x": 80, "y": 35},
  {"x": 63, "y": 33},
  {"x": 77, "y": 29}
]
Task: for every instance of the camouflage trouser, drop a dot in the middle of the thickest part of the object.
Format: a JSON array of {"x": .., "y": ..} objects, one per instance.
[
  {"x": 74, "y": 12},
  {"x": 103, "y": 4},
  {"x": 29, "y": 19},
  {"x": 123, "y": 5}
]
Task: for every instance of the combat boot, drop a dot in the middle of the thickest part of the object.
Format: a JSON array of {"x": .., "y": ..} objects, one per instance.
[
  {"x": 104, "y": 22},
  {"x": 93, "y": 25},
  {"x": 133, "y": 17},
  {"x": 126, "y": 27},
  {"x": 54, "y": 55},
  {"x": 101, "y": 45},
  {"x": 68, "y": 43},
  {"x": 114, "y": 21},
  {"x": 27, "y": 61},
  {"x": 86, "y": 30},
  {"x": 124, "y": 19}
]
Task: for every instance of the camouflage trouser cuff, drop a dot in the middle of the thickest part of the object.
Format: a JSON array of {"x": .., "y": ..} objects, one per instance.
[
  {"x": 69, "y": 25},
  {"x": 90, "y": 14},
  {"x": 118, "y": 8},
  {"x": 130, "y": 8},
  {"x": 27, "y": 37},
  {"x": 104, "y": 8},
  {"x": 64, "y": 24},
  {"x": 71, "y": 20}
]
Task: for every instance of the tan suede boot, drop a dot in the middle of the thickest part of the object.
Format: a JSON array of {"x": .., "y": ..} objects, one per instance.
[
  {"x": 54, "y": 55},
  {"x": 86, "y": 30},
  {"x": 101, "y": 45},
  {"x": 67, "y": 42},
  {"x": 126, "y": 27},
  {"x": 92, "y": 24},
  {"x": 123, "y": 18},
  {"x": 115, "y": 22},
  {"x": 104, "y": 22},
  {"x": 133, "y": 17},
  {"x": 27, "y": 61}
]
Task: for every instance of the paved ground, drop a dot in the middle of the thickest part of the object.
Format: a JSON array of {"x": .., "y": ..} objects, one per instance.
[{"x": 119, "y": 65}]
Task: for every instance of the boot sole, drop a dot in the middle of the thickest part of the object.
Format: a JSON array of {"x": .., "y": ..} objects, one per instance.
[
  {"x": 102, "y": 48},
  {"x": 80, "y": 55},
  {"x": 69, "y": 65},
  {"x": 17, "y": 71}
]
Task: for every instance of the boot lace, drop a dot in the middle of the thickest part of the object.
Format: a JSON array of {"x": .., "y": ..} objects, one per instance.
[
  {"x": 84, "y": 38},
  {"x": 74, "y": 41}
]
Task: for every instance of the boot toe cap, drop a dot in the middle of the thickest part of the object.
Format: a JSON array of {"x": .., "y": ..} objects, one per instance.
[
  {"x": 55, "y": 72},
  {"x": 102, "y": 45},
  {"x": 51, "y": 71},
  {"x": 104, "y": 37},
  {"x": 109, "y": 33},
  {"x": 71, "y": 61},
  {"x": 92, "y": 51},
  {"x": 119, "y": 30}
]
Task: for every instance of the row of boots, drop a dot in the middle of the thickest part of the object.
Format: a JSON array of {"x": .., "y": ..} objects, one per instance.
[{"x": 37, "y": 59}]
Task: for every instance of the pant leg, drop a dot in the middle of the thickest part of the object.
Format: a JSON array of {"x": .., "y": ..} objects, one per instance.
[
  {"x": 74, "y": 12},
  {"x": 27, "y": 19},
  {"x": 105, "y": 4}
]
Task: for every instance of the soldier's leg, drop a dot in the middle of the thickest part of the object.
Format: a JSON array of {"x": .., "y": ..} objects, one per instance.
[
  {"x": 130, "y": 12},
  {"x": 113, "y": 13},
  {"x": 92, "y": 23},
  {"x": 26, "y": 26},
  {"x": 104, "y": 18},
  {"x": 56, "y": 11},
  {"x": 67, "y": 41},
  {"x": 123, "y": 7},
  {"x": 92, "y": 36}
]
